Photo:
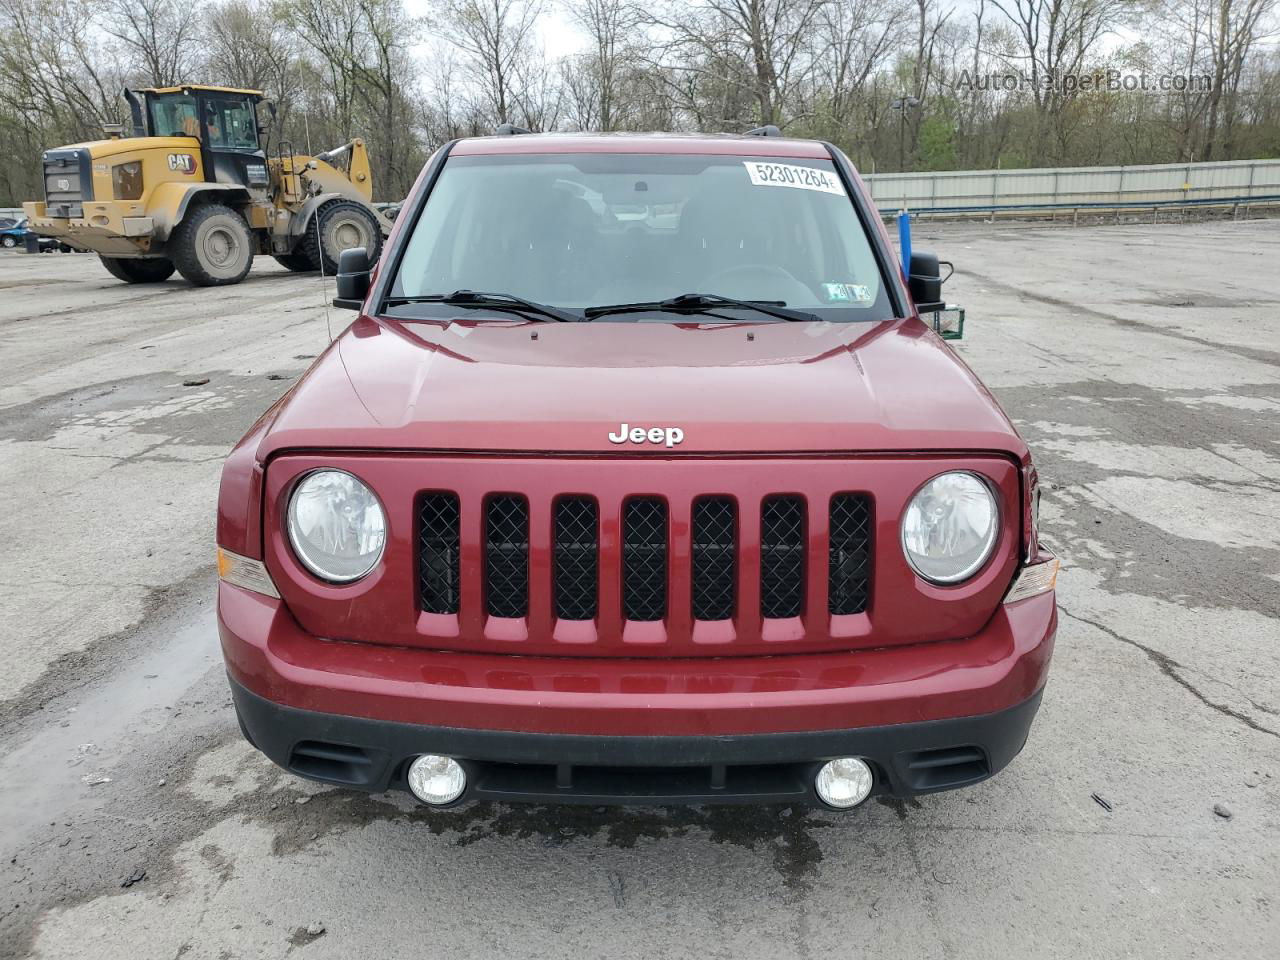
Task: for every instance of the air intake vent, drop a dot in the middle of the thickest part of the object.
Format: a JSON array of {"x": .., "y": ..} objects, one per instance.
[
  {"x": 644, "y": 559},
  {"x": 335, "y": 762},
  {"x": 850, "y": 568},
  {"x": 577, "y": 570},
  {"x": 438, "y": 546},
  {"x": 715, "y": 523},
  {"x": 781, "y": 557},
  {"x": 946, "y": 768},
  {"x": 506, "y": 556}
]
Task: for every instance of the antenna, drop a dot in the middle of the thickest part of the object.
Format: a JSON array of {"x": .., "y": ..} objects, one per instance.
[{"x": 324, "y": 297}]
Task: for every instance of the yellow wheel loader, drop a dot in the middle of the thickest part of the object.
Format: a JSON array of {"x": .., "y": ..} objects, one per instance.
[{"x": 193, "y": 188}]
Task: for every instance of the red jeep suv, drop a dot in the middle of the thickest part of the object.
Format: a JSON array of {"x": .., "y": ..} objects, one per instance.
[{"x": 637, "y": 478}]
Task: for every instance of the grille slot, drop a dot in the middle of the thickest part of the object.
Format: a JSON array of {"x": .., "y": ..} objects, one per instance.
[
  {"x": 781, "y": 557},
  {"x": 644, "y": 559},
  {"x": 506, "y": 556},
  {"x": 438, "y": 552},
  {"x": 714, "y": 549},
  {"x": 849, "y": 586},
  {"x": 577, "y": 558}
]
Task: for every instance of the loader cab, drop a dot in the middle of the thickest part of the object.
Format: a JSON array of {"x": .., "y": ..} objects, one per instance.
[{"x": 224, "y": 121}]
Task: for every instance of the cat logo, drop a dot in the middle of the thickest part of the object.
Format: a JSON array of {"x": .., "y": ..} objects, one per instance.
[{"x": 182, "y": 163}]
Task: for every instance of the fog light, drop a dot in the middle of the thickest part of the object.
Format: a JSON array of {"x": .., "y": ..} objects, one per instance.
[
  {"x": 437, "y": 780},
  {"x": 844, "y": 783}
]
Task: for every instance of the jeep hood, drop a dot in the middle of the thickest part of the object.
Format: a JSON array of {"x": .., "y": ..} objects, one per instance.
[{"x": 521, "y": 386}]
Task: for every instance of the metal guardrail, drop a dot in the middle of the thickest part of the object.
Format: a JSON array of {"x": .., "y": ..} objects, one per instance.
[{"x": 973, "y": 192}]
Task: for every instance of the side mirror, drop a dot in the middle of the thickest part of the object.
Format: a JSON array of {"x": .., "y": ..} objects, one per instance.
[
  {"x": 353, "y": 278},
  {"x": 267, "y": 107},
  {"x": 925, "y": 281}
]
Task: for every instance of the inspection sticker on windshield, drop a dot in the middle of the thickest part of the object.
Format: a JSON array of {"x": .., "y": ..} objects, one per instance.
[
  {"x": 848, "y": 292},
  {"x": 766, "y": 174}
]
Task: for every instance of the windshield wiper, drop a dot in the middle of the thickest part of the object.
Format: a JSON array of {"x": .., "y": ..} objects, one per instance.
[
  {"x": 492, "y": 301},
  {"x": 702, "y": 302}
]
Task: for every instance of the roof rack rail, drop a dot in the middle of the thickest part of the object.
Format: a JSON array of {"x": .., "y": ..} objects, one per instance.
[
  {"x": 768, "y": 130},
  {"x": 509, "y": 130}
]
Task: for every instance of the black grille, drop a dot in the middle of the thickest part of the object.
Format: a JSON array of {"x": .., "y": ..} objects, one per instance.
[
  {"x": 438, "y": 546},
  {"x": 68, "y": 181},
  {"x": 713, "y": 545},
  {"x": 850, "y": 568},
  {"x": 715, "y": 551},
  {"x": 781, "y": 557},
  {"x": 506, "y": 556},
  {"x": 577, "y": 564},
  {"x": 644, "y": 559}
]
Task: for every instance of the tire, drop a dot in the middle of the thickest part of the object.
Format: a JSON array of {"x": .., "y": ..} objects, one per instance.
[
  {"x": 151, "y": 270},
  {"x": 340, "y": 225},
  {"x": 8, "y": 242},
  {"x": 212, "y": 246},
  {"x": 297, "y": 262}
]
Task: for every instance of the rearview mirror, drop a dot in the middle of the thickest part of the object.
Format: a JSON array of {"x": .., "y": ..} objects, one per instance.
[
  {"x": 353, "y": 278},
  {"x": 925, "y": 280}
]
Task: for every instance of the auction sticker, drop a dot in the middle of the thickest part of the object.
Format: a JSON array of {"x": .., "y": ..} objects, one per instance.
[{"x": 764, "y": 173}]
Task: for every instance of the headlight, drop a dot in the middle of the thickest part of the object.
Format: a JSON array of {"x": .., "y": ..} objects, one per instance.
[
  {"x": 336, "y": 526},
  {"x": 126, "y": 180},
  {"x": 950, "y": 527}
]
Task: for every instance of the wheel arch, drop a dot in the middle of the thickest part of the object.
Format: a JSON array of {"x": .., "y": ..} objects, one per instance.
[
  {"x": 170, "y": 202},
  {"x": 301, "y": 220}
]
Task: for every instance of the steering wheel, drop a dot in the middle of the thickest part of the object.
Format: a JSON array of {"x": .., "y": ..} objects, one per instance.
[{"x": 757, "y": 281}]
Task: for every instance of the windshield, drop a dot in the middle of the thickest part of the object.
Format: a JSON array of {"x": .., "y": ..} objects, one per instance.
[
  {"x": 230, "y": 123},
  {"x": 174, "y": 116},
  {"x": 576, "y": 231}
]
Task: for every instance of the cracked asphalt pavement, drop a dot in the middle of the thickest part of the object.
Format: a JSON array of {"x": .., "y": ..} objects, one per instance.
[{"x": 1142, "y": 364}]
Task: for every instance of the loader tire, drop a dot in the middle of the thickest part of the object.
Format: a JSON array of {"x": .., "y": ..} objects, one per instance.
[
  {"x": 212, "y": 246},
  {"x": 131, "y": 270},
  {"x": 297, "y": 262},
  {"x": 340, "y": 225}
]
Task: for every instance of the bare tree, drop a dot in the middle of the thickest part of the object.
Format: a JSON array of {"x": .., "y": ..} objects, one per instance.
[
  {"x": 607, "y": 23},
  {"x": 856, "y": 41},
  {"x": 382, "y": 78},
  {"x": 162, "y": 36},
  {"x": 820, "y": 68},
  {"x": 495, "y": 38},
  {"x": 246, "y": 45},
  {"x": 758, "y": 47},
  {"x": 330, "y": 29},
  {"x": 1057, "y": 37},
  {"x": 1231, "y": 31}
]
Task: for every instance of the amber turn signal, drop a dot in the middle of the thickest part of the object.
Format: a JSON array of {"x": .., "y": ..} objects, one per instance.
[{"x": 246, "y": 572}]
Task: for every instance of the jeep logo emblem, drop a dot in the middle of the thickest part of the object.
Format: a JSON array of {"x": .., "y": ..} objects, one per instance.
[
  {"x": 666, "y": 435},
  {"x": 182, "y": 163}
]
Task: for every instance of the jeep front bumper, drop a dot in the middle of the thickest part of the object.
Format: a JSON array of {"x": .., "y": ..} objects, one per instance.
[{"x": 927, "y": 717}]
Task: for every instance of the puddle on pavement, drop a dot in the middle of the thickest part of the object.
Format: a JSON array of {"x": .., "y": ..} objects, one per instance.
[{"x": 57, "y": 770}]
